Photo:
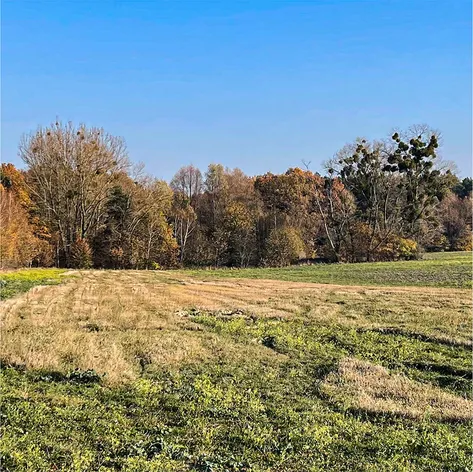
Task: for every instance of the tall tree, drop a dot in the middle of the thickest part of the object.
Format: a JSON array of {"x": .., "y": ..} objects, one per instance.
[
  {"x": 70, "y": 173},
  {"x": 379, "y": 199},
  {"x": 288, "y": 200},
  {"x": 395, "y": 187},
  {"x": 112, "y": 244},
  {"x": 153, "y": 241},
  {"x": 187, "y": 185},
  {"x": 463, "y": 188},
  {"x": 335, "y": 206},
  {"x": 184, "y": 222},
  {"x": 422, "y": 184},
  {"x": 20, "y": 244},
  {"x": 455, "y": 218},
  {"x": 212, "y": 213},
  {"x": 188, "y": 181}
]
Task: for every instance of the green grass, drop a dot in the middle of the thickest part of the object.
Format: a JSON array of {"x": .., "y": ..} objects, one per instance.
[
  {"x": 452, "y": 269},
  {"x": 222, "y": 416},
  {"x": 322, "y": 346},
  {"x": 269, "y": 413},
  {"x": 15, "y": 282}
]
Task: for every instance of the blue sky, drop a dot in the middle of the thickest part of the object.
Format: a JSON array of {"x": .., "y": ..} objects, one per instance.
[{"x": 260, "y": 84}]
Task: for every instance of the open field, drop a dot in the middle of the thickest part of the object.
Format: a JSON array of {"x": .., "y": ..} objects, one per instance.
[
  {"x": 443, "y": 269},
  {"x": 178, "y": 371}
]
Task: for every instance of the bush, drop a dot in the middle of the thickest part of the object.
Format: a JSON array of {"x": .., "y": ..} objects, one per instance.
[
  {"x": 397, "y": 248},
  {"x": 83, "y": 376},
  {"x": 464, "y": 242},
  {"x": 284, "y": 246},
  {"x": 407, "y": 249}
]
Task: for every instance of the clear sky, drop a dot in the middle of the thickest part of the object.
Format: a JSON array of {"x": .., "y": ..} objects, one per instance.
[{"x": 258, "y": 84}]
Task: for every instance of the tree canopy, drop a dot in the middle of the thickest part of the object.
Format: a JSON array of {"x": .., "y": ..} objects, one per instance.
[{"x": 77, "y": 203}]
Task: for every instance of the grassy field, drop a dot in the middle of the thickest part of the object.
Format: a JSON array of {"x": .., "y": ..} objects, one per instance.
[
  {"x": 184, "y": 371},
  {"x": 436, "y": 269}
]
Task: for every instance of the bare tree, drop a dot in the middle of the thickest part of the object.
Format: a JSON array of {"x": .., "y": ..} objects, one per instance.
[
  {"x": 71, "y": 170},
  {"x": 188, "y": 181},
  {"x": 335, "y": 206},
  {"x": 184, "y": 222}
]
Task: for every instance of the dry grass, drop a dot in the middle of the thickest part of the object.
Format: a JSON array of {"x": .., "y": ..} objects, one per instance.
[
  {"x": 362, "y": 385},
  {"x": 115, "y": 321},
  {"x": 110, "y": 322},
  {"x": 237, "y": 382}
]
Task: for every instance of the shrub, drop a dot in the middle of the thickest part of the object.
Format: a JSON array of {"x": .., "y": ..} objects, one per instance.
[
  {"x": 396, "y": 248},
  {"x": 407, "y": 249},
  {"x": 464, "y": 243},
  {"x": 84, "y": 376}
]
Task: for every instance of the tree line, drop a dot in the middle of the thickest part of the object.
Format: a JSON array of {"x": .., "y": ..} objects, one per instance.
[{"x": 79, "y": 202}]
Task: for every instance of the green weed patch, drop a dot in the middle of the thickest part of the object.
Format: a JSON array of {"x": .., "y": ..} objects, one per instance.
[{"x": 20, "y": 281}]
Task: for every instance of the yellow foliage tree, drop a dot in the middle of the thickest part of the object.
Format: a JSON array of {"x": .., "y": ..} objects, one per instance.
[{"x": 18, "y": 244}]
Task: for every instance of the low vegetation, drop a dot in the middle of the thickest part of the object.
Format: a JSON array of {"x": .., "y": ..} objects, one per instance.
[
  {"x": 166, "y": 371},
  {"x": 436, "y": 270},
  {"x": 12, "y": 283}
]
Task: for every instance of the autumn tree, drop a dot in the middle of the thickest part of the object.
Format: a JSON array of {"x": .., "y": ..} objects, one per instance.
[
  {"x": 187, "y": 186},
  {"x": 13, "y": 180},
  {"x": 455, "y": 223},
  {"x": 335, "y": 207},
  {"x": 70, "y": 173},
  {"x": 380, "y": 200},
  {"x": 396, "y": 187},
  {"x": 284, "y": 246},
  {"x": 153, "y": 243},
  {"x": 243, "y": 212},
  {"x": 240, "y": 223},
  {"x": 288, "y": 200},
  {"x": 184, "y": 222},
  {"x": 188, "y": 182},
  {"x": 19, "y": 242},
  {"x": 112, "y": 245},
  {"x": 212, "y": 213}
]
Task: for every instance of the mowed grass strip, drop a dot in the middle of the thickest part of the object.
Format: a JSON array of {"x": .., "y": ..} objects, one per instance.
[
  {"x": 220, "y": 416},
  {"x": 109, "y": 320},
  {"x": 452, "y": 269}
]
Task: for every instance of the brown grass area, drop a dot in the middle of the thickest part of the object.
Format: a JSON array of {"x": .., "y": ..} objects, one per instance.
[
  {"x": 109, "y": 320},
  {"x": 360, "y": 384}
]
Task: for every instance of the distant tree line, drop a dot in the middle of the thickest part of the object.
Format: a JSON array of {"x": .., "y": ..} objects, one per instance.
[{"x": 80, "y": 203}]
